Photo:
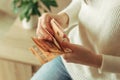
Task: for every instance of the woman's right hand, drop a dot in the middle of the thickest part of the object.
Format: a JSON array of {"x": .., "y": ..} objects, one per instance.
[{"x": 44, "y": 25}]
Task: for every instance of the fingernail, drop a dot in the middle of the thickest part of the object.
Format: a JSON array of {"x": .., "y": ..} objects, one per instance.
[
  {"x": 67, "y": 50},
  {"x": 65, "y": 40}
]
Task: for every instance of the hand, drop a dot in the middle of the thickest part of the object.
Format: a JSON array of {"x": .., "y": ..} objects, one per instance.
[
  {"x": 81, "y": 55},
  {"x": 44, "y": 26}
]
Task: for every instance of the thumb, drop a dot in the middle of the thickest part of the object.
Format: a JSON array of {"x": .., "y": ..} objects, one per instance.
[
  {"x": 65, "y": 44},
  {"x": 67, "y": 57}
]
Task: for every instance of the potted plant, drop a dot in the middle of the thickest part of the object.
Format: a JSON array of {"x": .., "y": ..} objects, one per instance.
[{"x": 29, "y": 10}]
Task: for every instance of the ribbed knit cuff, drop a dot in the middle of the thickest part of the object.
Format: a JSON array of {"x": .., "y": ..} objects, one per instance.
[{"x": 110, "y": 64}]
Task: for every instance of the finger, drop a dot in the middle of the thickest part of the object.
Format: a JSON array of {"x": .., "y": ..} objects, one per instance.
[
  {"x": 66, "y": 44},
  {"x": 46, "y": 18},
  {"x": 57, "y": 24},
  {"x": 66, "y": 37},
  {"x": 45, "y": 31},
  {"x": 38, "y": 43},
  {"x": 40, "y": 36},
  {"x": 38, "y": 26},
  {"x": 42, "y": 32},
  {"x": 71, "y": 46},
  {"x": 46, "y": 34},
  {"x": 67, "y": 57},
  {"x": 67, "y": 50},
  {"x": 38, "y": 30}
]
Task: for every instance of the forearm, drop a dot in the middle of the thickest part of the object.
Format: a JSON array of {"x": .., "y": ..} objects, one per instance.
[
  {"x": 93, "y": 60},
  {"x": 82, "y": 55}
]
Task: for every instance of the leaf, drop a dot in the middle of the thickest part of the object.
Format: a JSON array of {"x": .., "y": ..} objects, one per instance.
[
  {"x": 26, "y": 8},
  {"x": 24, "y": 11},
  {"x": 27, "y": 18},
  {"x": 53, "y": 3},
  {"x": 49, "y": 3},
  {"x": 35, "y": 1}
]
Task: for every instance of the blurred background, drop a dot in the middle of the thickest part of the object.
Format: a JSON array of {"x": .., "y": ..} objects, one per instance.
[
  {"x": 16, "y": 62},
  {"x": 8, "y": 16}
]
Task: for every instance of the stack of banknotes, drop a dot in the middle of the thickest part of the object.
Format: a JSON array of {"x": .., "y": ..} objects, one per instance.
[{"x": 46, "y": 50}]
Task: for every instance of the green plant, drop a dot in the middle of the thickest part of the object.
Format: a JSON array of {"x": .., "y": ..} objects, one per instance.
[{"x": 26, "y": 8}]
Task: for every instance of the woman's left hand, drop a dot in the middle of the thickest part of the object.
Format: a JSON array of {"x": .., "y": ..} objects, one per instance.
[{"x": 81, "y": 55}]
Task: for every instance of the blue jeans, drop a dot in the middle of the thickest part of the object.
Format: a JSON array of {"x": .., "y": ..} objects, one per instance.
[{"x": 53, "y": 70}]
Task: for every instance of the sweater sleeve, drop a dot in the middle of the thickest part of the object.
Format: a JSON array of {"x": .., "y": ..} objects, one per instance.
[
  {"x": 110, "y": 64},
  {"x": 72, "y": 11},
  {"x": 111, "y": 46}
]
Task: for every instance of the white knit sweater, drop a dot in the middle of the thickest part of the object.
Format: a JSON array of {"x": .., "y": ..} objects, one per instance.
[{"x": 99, "y": 30}]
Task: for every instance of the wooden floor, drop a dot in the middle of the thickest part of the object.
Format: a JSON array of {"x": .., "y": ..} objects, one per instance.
[{"x": 14, "y": 71}]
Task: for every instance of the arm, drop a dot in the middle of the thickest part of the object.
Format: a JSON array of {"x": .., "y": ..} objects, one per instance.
[
  {"x": 110, "y": 47},
  {"x": 68, "y": 16},
  {"x": 72, "y": 11},
  {"x": 81, "y": 55},
  {"x": 111, "y": 53}
]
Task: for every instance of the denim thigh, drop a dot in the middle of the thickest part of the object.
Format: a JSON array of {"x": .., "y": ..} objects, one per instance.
[{"x": 53, "y": 70}]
